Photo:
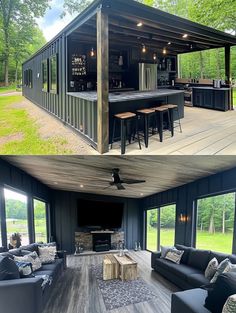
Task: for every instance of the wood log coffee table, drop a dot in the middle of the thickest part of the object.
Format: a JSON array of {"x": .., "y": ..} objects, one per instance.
[
  {"x": 128, "y": 268},
  {"x": 110, "y": 267}
]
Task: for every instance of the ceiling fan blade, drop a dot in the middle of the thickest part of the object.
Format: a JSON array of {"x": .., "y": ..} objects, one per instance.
[
  {"x": 120, "y": 187},
  {"x": 132, "y": 181}
]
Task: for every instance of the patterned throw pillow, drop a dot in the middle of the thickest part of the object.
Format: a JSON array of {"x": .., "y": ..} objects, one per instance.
[
  {"x": 25, "y": 269},
  {"x": 164, "y": 250},
  {"x": 47, "y": 254},
  {"x": 174, "y": 255},
  {"x": 211, "y": 268},
  {"x": 230, "y": 305},
  {"x": 32, "y": 258},
  {"x": 221, "y": 268}
]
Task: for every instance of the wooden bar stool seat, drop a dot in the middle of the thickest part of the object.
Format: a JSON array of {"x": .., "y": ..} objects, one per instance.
[
  {"x": 174, "y": 108},
  {"x": 146, "y": 114},
  {"x": 128, "y": 126},
  {"x": 160, "y": 111}
]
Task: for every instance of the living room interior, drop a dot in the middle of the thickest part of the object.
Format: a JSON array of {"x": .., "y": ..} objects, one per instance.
[{"x": 119, "y": 234}]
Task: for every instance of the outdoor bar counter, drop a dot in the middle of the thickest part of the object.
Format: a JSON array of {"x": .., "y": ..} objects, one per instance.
[{"x": 84, "y": 104}]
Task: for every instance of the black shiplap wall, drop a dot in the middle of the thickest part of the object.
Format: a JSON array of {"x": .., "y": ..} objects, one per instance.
[
  {"x": 13, "y": 177},
  {"x": 65, "y": 218},
  {"x": 184, "y": 197}
]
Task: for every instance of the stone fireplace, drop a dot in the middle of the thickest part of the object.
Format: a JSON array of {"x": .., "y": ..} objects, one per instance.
[{"x": 109, "y": 238}]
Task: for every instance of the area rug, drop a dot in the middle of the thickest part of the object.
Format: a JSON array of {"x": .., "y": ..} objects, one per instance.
[{"x": 118, "y": 294}]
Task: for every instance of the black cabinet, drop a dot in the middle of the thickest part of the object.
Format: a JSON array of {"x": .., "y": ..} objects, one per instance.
[{"x": 210, "y": 98}]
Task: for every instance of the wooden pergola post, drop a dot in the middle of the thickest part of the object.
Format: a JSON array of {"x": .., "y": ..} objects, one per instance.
[
  {"x": 102, "y": 82},
  {"x": 228, "y": 72}
]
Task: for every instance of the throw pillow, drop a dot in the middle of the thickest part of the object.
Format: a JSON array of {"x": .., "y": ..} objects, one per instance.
[
  {"x": 220, "y": 269},
  {"x": 8, "y": 269},
  {"x": 47, "y": 254},
  {"x": 33, "y": 258},
  {"x": 230, "y": 305},
  {"x": 174, "y": 255},
  {"x": 164, "y": 250},
  {"x": 224, "y": 287},
  {"x": 25, "y": 269},
  {"x": 211, "y": 268},
  {"x": 230, "y": 268}
]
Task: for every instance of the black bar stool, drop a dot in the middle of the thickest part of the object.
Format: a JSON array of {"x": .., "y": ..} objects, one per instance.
[
  {"x": 128, "y": 126},
  {"x": 174, "y": 108},
  {"x": 160, "y": 111},
  {"x": 146, "y": 114}
]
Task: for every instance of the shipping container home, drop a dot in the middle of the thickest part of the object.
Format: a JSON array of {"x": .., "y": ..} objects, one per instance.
[{"x": 90, "y": 70}]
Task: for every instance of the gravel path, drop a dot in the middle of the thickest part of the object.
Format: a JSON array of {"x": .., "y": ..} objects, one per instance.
[{"x": 50, "y": 127}]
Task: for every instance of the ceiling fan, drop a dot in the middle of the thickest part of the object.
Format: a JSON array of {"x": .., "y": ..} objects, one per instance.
[{"x": 118, "y": 182}]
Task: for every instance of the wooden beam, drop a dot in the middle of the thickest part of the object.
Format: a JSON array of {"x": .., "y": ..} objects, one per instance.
[
  {"x": 227, "y": 65},
  {"x": 102, "y": 82}
]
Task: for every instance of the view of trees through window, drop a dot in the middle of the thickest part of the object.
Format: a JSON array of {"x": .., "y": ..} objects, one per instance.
[
  {"x": 40, "y": 221},
  {"x": 215, "y": 222},
  {"x": 16, "y": 215},
  {"x": 160, "y": 227}
]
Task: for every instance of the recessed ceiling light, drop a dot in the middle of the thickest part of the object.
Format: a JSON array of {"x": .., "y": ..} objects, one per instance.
[
  {"x": 140, "y": 24},
  {"x": 185, "y": 36},
  {"x": 81, "y": 186},
  {"x": 141, "y": 194},
  {"x": 169, "y": 43}
]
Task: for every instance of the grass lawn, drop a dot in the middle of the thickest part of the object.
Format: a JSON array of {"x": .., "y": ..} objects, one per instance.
[
  {"x": 234, "y": 97},
  {"x": 216, "y": 242},
  {"x": 9, "y": 88},
  {"x": 19, "y": 134}
]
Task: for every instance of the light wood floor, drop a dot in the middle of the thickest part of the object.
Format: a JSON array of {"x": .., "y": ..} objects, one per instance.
[
  {"x": 77, "y": 290},
  {"x": 205, "y": 132}
]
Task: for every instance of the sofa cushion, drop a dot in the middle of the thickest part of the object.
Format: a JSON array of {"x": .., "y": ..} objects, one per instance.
[
  {"x": 8, "y": 269},
  {"x": 197, "y": 280},
  {"x": 220, "y": 269},
  {"x": 165, "y": 250},
  {"x": 180, "y": 270},
  {"x": 230, "y": 305},
  {"x": 199, "y": 258},
  {"x": 186, "y": 250},
  {"x": 174, "y": 255},
  {"x": 9, "y": 255},
  {"x": 53, "y": 266},
  {"x": 224, "y": 287},
  {"x": 31, "y": 247},
  {"x": 189, "y": 301},
  {"x": 211, "y": 268},
  {"x": 219, "y": 256},
  {"x": 232, "y": 258},
  {"x": 16, "y": 252}
]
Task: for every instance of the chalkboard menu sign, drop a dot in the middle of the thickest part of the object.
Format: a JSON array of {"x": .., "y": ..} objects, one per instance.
[{"x": 79, "y": 65}]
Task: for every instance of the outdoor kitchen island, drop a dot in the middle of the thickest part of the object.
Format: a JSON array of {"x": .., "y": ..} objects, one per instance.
[{"x": 84, "y": 106}]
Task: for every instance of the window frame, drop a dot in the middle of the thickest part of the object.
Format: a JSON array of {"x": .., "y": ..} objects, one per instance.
[
  {"x": 45, "y": 64},
  {"x": 195, "y": 212},
  {"x": 158, "y": 208},
  {"x": 53, "y": 91},
  {"x": 47, "y": 216}
]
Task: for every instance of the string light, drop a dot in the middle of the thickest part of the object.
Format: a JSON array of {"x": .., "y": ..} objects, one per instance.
[
  {"x": 154, "y": 56},
  {"x": 144, "y": 50},
  {"x": 92, "y": 53},
  {"x": 164, "y": 51}
]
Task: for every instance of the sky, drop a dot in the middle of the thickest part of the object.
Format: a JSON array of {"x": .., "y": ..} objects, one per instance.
[
  {"x": 9, "y": 194},
  {"x": 51, "y": 24}
]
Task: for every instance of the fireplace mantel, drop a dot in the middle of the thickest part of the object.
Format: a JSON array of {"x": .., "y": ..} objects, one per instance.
[{"x": 102, "y": 232}]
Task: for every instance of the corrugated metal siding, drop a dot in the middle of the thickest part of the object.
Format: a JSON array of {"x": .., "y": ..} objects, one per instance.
[{"x": 80, "y": 114}]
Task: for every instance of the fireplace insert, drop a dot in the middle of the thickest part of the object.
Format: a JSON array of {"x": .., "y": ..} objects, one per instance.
[{"x": 101, "y": 242}]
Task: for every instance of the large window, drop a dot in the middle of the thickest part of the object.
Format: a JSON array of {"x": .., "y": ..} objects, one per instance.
[
  {"x": 151, "y": 230},
  {"x": 40, "y": 221},
  {"x": 160, "y": 227},
  {"x": 53, "y": 74},
  {"x": 16, "y": 215},
  {"x": 45, "y": 75},
  {"x": 215, "y": 223},
  {"x": 28, "y": 78}
]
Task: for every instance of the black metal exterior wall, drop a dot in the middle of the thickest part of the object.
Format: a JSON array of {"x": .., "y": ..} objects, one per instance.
[
  {"x": 185, "y": 196},
  {"x": 53, "y": 103}
]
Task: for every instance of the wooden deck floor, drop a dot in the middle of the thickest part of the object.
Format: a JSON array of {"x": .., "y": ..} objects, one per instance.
[
  {"x": 205, "y": 132},
  {"x": 77, "y": 290}
]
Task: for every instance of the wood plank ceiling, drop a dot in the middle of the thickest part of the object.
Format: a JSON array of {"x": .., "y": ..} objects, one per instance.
[{"x": 93, "y": 174}]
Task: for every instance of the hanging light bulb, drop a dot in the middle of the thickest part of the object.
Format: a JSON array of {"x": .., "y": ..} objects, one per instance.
[
  {"x": 92, "y": 53},
  {"x": 154, "y": 56},
  {"x": 164, "y": 51},
  {"x": 144, "y": 50}
]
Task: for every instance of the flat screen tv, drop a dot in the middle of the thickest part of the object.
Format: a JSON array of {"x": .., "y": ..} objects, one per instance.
[{"x": 99, "y": 214}]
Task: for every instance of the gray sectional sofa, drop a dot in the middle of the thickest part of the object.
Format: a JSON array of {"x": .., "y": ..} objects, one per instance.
[
  {"x": 27, "y": 295},
  {"x": 189, "y": 276}
]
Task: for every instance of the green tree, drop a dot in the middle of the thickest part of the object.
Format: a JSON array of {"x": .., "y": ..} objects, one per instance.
[{"x": 17, "y": 14}]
